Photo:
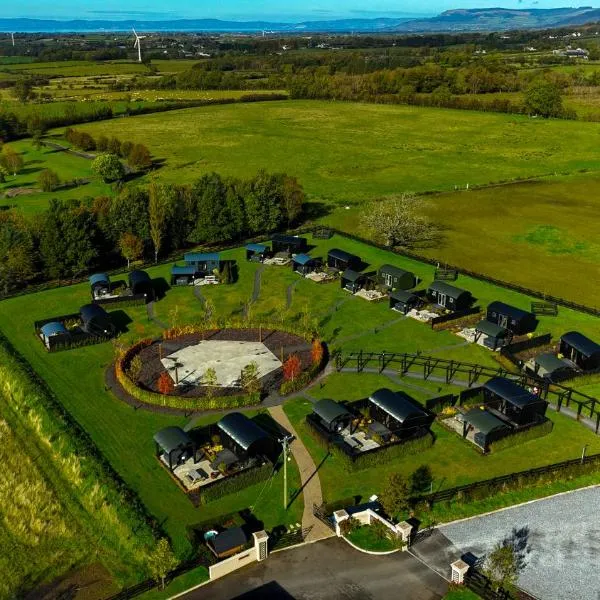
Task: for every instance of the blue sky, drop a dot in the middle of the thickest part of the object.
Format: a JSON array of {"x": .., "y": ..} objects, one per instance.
[{"x": 284, "y": 10}]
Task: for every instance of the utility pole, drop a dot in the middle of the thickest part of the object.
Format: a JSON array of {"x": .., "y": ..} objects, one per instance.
[
  {"x": 583, "y": 454},
  {"x": 285, "y": 442}
]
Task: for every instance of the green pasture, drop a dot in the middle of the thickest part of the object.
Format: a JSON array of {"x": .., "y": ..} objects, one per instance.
[
  {"x": 347, "y": 153},
  {"x": 67, "y": 166},
  {"x": 75, "y": 68}
]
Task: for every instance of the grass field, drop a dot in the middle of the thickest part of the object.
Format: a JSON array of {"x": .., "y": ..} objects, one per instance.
[{"x": 68, "y": 168}]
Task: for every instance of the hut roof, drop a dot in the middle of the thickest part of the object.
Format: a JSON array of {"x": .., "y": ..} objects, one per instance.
[{"x": 581, "y": 343}]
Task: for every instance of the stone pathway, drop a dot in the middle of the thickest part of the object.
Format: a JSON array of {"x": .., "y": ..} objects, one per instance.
[{"x": 311, "y": 484}]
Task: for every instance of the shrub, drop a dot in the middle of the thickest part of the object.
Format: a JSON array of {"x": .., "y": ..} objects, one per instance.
[
  {"x": 139, "y": 157},
  {"x": 165, "y": 383},
  {"x": 109, "y": 167},
  {"x": 48, "y": 180},
  {"x": 235, "y": 483},
  {"x": 524, "y": 436},
  {"x": 292, "y": 367}
]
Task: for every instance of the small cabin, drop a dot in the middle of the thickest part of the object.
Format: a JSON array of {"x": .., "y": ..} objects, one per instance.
[
  {"x": 495, "y": 336},
  {"x": 182, "y": 275},
  {"x": 550, "y": 367},
  {"x": 332, "y": 416},
  {"x": 100, "y": 284},
  {"x": 52, "y": 329},
  {"x": 257, "y": 252},
  {"x": 394, "y": 278},
  {"x": 484, "y": 427},
  {"x": 204, "y": 263},
  {"x": 245, "y": 438},
  {"x": 448, "y": 296},
  {"x": 341, "y": 260},
  {"x": 305, "y": 264},
  {"x": 174, "y": 446},
  {"x": 513, "y": 401},
  {"x": 291, "y": 244},
  {"x": 403, "y": 301},
  {"x": 96, "y": 321},
  {"x": 228, "y": 542},
  {"x": 514, "y": 319},
  {"x": 580, "y": 350},
  {"x": 352, "y": 282},
  {"x": 140, "y": 283}
]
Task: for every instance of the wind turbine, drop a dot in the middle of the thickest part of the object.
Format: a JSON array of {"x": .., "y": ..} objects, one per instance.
[
  {"x": 138, "y": 44},
  {"x": 12, "y": 37}
]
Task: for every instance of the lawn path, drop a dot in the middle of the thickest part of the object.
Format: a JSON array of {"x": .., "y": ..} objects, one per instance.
[
  {"x": 199, "y": 295},
  {"x": 153, "y": 317},
  {"x": 311, "y": 484},
  {"x": 289, "y": 293}
]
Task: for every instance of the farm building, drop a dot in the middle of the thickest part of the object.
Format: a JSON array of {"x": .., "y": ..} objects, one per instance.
[
  {"x": 509, "y": 317},
  {"x": 550, "y": 367},
  {"x": 182, "y": 275},
  {"x": 95, "y": 320},
  {"x": 495, "y": 335},
  {"x": 228, "y": 542},
  {"x": 140, "y": 283},
  {"x": 580, "y": 350},
  {"x": 333, "y": 416},
  {"x": 257, "y": 252},
  {"x": 245, "y": 438},
  {"x": 100, "y": 284},
  {"x": 394, "y": 278},
  {"x": 483, "y": 428},
  {"x": 447, "y": 296},
  {"x": 289, "y": 243},
  {"x": 204, "y": 263},
  {"x": 52, "y": 329},
  {"x": 305, "y": 264},
  {"x": 396, "y": 413},
  {"x": 403, "y": 301},
  {"x": 174, "y": 446},
  {"x": 352, "y": 281},
  {"x": 341, "y": 260},
  {"x": 514, "y": 402}
]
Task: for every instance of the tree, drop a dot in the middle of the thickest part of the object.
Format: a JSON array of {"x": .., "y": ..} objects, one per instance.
[
  {"x": 126, "y": 147},
  {"x": 213, "y": 219},
  {"x": 48, "y": 180},
  {"x": 159, "y": 210},
  {"x": 10, "y": 160},
  {"x": 129, "y": 213},
  {"x": 3, "y": 174},
  {"x": 109, "y": 167},
  {"x": 398, "y": 221},
  {"x": 249, "y": 378},
  {"x": 396, "y": 494},
  {"x": 131, "y": 247},
  {"x": 162, "y": 561},
  {"x": 210, "y": 381},
  {"x": 135, "y": 368},
  {"x": 316, "y": 352},
  {"x": 165, "y": 383},
  {"x": 17, "y": 255},
  {"x": 544, "y": 98},
  {"x": 292, "y": 198},
  {"x": 421, "y": 480},
  {"x": 139, "y": 157},
  {"x": 292, "y": 367},
  {"x": 102, "y": 144},
  {"x": 114, "y": 146},
  {"x": 501, "y": 565},
  {"x": 23, "y": 89}
]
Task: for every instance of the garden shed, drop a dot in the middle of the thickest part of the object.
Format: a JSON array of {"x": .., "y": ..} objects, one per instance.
[
  {"x": 333, "y": 416},
  {"x": 291, "y": 244},
  {"x": 580, "y": 350},
  {"x": 484, "y": 427},
  {"x": 204, "y": 263},
  {"x": 95, "y": 320},
  {"x": 513, "y": 401},
  {"x": 403, "y": 301},
  {"x": 305, "y": 264},
  {"x": 342, "y": 260},
  {"x": 100, "y": 284},
  {"x": 352, "y": 281},
  {"x": 448, "y": 296},
  {"x": 398, "y": 412},
  {"x": 140, "y": 283},
  {"x": 245, "y": 438},
  {"x": 549, "y": 366},
  {"x": 495, "y": 336},
  {"x": 514, "y": 319},
  {"x": 182, "y": 275},
  {"x": 256, "y": 252},
  {"x": 174, "y": 446},
  {"x": 52, "y": 329},
  {"x": 228, "y": 542},
  {"x": 394, "y": 278}
]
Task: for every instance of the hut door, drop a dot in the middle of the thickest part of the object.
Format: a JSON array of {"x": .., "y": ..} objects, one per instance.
[
  {"x": 503, "y": 321},
  {"x": 442, "y": 299}
]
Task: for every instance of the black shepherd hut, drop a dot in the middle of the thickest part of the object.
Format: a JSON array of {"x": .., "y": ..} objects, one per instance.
[
  {"x": 333, "y": 416},
  {"x": 447, "y": 296},
  {"x": 140, "y": 283},
  {"x": 580, "y": 350},
  {"x": 403, "y": 301},
  {"x": 245, "y": 438},
  {"x": 341, "y": 260},
  {"x": 95, "y": 321},
  {"x": 352, "y": 281},
  {"x": 289, "y": 243},
  {"x": 514, "y": 319},
  {"x": 513, "y": 401},
  {"x": 394, "y": 278}
]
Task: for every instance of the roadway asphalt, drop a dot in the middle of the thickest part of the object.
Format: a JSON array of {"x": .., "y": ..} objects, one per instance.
[{"x": 328, "y": 570}]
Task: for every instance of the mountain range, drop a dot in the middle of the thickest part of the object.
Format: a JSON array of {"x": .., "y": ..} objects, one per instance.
[{"x": 457, "y": 20}]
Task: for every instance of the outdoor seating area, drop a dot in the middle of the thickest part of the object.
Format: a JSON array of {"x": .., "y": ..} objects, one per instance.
[
  {"x": 139, "y": 286},
  {"x": 200, "y": 268}
]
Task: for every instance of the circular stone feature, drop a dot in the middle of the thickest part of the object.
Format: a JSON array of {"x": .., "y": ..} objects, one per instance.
[{"x": 188, "y": 365}]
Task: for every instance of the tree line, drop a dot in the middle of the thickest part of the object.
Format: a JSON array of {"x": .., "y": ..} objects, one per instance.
[{"x": 73, "y": 237}]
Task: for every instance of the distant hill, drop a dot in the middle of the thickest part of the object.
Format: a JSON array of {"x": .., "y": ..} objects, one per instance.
[{"x": 485, "y": 19}]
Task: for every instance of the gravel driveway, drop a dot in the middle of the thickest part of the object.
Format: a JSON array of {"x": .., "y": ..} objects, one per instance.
[{"x": 559, "y": 541}]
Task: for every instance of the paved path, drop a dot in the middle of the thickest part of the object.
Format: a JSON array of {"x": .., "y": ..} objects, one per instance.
[
  {"x": 311, "y": 484},
  {"x": 328, "y": 570},
  {"x": 558, "y": 539}
]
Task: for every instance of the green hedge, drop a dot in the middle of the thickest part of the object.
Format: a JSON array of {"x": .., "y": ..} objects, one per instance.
[
  {"x": 235, "y": 483},
  {"x": 524, "y": 436}
]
